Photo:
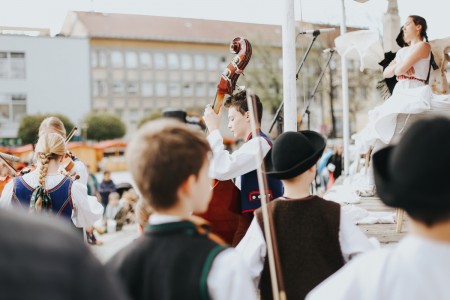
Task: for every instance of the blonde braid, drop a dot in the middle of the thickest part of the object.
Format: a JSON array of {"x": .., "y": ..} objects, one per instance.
[{"x": 44, "y": 159}]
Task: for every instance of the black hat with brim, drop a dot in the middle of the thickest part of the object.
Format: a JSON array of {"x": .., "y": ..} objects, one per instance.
[{"x": 293, "y": 153}]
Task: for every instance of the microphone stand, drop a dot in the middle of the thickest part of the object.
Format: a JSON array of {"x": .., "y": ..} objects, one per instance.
[
  {"x": 278, "y": 116},
  {"x": 307, "y": 112}
]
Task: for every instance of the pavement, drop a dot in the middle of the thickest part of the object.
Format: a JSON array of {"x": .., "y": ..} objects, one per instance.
[{"x": 113, "y": 242}]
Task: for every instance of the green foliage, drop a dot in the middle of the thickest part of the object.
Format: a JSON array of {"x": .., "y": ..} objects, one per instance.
[
  {"x": 29, "y": 126},
  {"x": 103, "y": 126},
  {"x": 152, "y": 116}
]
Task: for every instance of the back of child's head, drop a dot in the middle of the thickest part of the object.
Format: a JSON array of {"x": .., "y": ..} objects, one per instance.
[
  {"x": 161, "y": 157},
  {"x": 412, "y": 175},
  {"x": 52, "y": 124},
  {"x": 239, "y": 102}
]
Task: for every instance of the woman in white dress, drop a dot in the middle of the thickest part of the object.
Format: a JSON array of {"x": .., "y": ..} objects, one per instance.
[
  {"x": 46, "y": 190},
  {"x": 411, "y": 95}
]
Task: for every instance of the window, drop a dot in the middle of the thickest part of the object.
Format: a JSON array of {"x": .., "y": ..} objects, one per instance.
[
  {"x": 212, "y": 88},
  {"x": 12, "y": 107},
  {"x": 145, "y": 59},
  {"x": 200, "y": 89},
  {"x": 94, "y": 59},
  {"x": 172, "y": 61},
  {"x": 134, "y": 116},
  {"x": 100, "y": 88},
  {"x": 146, "y": 89},
  {"x": 132, "y": 88},
  {"x": 117, "y": 89},
  {"x": 131, "y": 60},
  {"x": 161, "y": 89},
  {"x": 160, "y": 61},
  {"x": 12, "y": 65},
  {"x": 199, "y": 62},
  {"x": 102, "y": 58},
  {"x": 212, "y": 62},
  {"x": 116, "y": 59},
  {"x": 186, "y": 62},
  {"x": 174, "y": 89},
  {"x": 188, "y": 89}
]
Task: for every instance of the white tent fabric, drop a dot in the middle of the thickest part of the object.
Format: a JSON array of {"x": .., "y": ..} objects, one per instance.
[{"x": 362, "y": 45}]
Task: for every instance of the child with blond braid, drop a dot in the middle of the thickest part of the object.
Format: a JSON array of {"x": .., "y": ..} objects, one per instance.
[{"x": 47, "y": 190}]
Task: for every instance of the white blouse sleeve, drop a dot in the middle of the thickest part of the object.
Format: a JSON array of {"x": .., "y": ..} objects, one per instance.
[
  {"x": 252, "y": 248},
  {"x": 226, "y": 166},
  {"x": 229, "y": 278},
  {"x": 5, "y": 199},
  {"x": 81, "y": 170},
  {"x": 352, "y": 240},
  {"x": 87, "y": 210}
]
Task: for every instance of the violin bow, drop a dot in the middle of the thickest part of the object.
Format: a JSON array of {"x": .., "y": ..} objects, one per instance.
[
  {"x": 71, "y": 134},
  {"x": 276, "y": 275}
]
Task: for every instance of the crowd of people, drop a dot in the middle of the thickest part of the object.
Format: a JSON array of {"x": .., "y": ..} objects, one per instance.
[{"x": 322, "y": 254}]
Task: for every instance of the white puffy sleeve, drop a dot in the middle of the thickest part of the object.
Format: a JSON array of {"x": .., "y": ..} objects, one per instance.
[
  {"x": 86, "y": 209},
  {"x": 5, "y": 199},
  {"x": 81, "y": 170}
]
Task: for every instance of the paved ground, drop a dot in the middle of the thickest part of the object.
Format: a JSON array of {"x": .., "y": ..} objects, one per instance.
[{"x": 113, "y": 242}]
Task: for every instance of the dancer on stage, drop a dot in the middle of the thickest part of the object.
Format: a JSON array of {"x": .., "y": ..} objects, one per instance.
[{"x": 411, "y": 95}]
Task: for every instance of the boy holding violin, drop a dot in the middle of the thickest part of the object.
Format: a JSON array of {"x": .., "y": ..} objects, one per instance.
[
  {"x": 176, "y": 257},
  {"x": 241, "y": 163}
]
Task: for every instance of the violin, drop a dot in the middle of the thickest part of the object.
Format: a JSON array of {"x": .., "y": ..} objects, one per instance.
[
  {"x": 224, "y": 209},
  {"x": 69, "y": 159}
]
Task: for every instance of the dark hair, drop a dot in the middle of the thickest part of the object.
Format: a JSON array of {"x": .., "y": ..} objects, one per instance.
[
  {"x": 161, "y": 157},
  {"x": 239, "y": 101},
  {"x": 429, "y": 218},
  {"x": 418, "y": 20}
]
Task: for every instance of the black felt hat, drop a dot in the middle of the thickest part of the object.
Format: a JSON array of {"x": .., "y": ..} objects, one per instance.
[
  {"x": 414, "y": 174},
  {"x": 293, "y": 153}
]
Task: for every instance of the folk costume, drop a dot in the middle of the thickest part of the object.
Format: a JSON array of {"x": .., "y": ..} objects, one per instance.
[
  {"x": 411, "y": 176},
  {"x": 314, "y": 238},
  {"x": 173, "y": 260},
  {"x": 241, "y": 165},
  {"x": 69, "y": 199}
]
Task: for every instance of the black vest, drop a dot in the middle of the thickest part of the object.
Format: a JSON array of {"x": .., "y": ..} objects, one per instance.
[
  {"x": 308, "y": 242},
  {"x": 170, "y": 261}
]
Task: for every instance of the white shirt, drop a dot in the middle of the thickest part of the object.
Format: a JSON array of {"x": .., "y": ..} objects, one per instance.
[
  {"x": 416, "y": 269},
  {"x": 228, "y": 278},
  {"x": 253, "y": 246},
  {"x": 224, "y": 165},
  {"x": 88, "y": 209}
]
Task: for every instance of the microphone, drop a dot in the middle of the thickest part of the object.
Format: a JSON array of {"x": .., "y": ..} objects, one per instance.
[
  {"x": 316, "y": 32},
  {"x": 9, "y": 157}
]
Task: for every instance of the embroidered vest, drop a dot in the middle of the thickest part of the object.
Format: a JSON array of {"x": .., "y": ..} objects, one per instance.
[
  {"x": 250, "y": 196},
  {"x": 60, "y": 194},
  {"x": 307, "y": 232}
]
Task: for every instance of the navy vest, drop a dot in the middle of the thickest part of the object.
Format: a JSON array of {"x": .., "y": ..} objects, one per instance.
[
  {"x": 250, "y": 196},
  {"x": 60, "y": 194}
]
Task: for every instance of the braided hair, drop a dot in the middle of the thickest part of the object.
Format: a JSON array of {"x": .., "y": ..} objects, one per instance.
[{"x": 50, "y": 146}]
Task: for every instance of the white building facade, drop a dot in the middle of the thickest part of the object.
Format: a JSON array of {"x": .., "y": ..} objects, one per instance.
[{"x": 42, "y": 75}]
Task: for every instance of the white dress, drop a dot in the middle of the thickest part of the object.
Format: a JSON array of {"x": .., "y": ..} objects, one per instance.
[{"x": 409, "y": 97}]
